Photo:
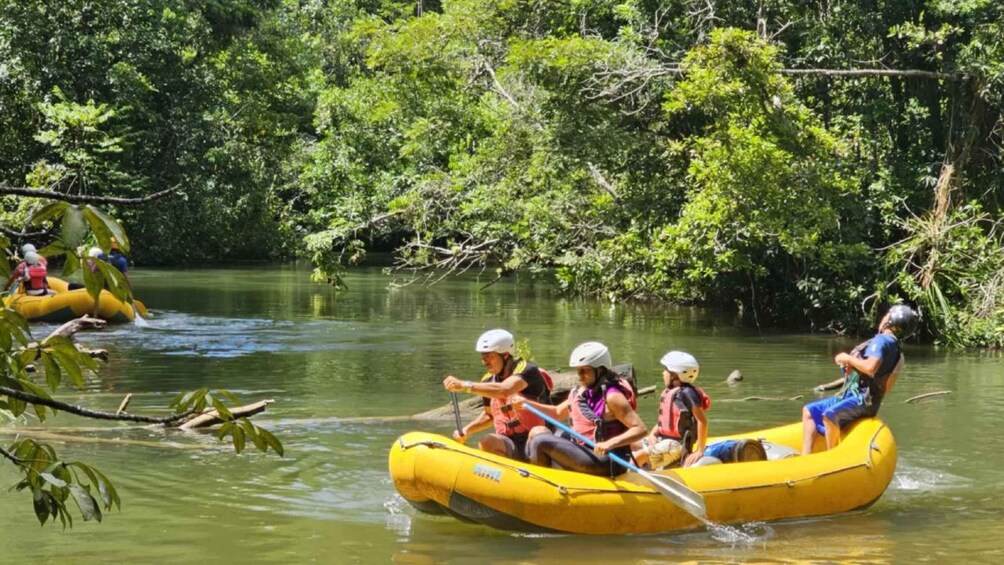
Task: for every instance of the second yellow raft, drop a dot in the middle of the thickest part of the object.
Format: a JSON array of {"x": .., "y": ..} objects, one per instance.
[{"x": 67, "y": 304}]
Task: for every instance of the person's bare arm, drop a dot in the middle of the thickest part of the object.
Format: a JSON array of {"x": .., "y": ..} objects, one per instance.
[
  {"x": 481, "y": 422},
  {"x": 559, "y": 412},
  {"x": 702, "y": 436},
  {"x": 508, "y": 387},
  {"x": 867, "y": 366},
  {"x": 621, "y": 409}
]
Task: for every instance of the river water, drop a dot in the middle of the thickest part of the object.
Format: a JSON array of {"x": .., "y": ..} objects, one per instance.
[{"x": 381, "y": 351}]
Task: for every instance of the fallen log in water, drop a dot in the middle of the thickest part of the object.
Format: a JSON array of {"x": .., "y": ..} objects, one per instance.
[{"x": 212, "y": 417}]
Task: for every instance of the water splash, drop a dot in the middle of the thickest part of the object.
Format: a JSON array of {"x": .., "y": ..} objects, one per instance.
[
  {"x": 398, "y": 519},
  {"x": 910, "y": 478},
  {"x": 748, "y": 534}
]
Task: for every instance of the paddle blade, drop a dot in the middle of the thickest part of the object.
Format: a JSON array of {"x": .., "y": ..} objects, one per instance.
[
  {"x": 679, "y": 494},
  {"x": 137, "y": 319}
]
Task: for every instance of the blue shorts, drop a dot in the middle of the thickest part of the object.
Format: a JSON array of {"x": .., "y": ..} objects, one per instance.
[{"x": 840, "y": 411}]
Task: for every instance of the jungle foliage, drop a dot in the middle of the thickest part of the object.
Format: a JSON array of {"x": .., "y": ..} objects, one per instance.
[{"x": 804, "y": 163}]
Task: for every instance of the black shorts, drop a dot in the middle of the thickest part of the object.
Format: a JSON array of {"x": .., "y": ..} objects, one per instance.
[{"x": 515, "y": 446}]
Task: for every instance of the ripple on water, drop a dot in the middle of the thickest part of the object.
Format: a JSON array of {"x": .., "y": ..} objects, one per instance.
[{"x": 180, "y": 334}]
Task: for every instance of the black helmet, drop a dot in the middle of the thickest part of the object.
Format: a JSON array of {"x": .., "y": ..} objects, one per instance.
[{"x": 902, "y": 321}]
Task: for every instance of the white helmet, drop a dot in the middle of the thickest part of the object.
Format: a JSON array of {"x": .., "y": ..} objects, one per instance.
[
  {"x": 27, "y": 248},
  {"x": 683, "y": 364},
  {"x": 32, "y": 258},
  {"x": 590, "y": 354},
  {"x": 499, "y": 341},
  {"x": 94, "y": 252}
]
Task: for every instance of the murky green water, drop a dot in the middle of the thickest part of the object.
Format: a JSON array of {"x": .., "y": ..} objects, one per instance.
[{"x": 376, "y": 351}]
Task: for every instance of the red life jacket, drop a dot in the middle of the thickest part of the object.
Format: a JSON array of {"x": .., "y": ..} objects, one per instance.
[
  {"x": 586, "y": 425},
  {"x": 509, "y": 422},
  {"x": 671, "y": 409},
  {"x": 36, "y": 277}
]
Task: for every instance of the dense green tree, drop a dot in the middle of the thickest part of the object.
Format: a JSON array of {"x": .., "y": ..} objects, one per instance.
[{"x": 784, "y": 158}]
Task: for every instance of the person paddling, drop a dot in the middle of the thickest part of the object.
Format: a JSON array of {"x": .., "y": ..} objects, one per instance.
[
  {"x": 508, "y": 378},
  {"x": 602, "y": 409}
]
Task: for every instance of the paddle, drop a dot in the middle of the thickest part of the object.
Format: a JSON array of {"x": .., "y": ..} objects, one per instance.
[
  {"x": 678, "y": 493},
  {"x": 456, "y": 414},
  {"x": 136, "y": 318}
]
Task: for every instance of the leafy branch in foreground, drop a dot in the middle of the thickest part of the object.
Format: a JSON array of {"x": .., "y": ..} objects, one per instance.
[{"x": 31, "y": 370}]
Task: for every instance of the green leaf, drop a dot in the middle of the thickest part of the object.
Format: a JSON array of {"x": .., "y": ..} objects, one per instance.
[
  {"x": 16, "y": 407},
  {"x": 238, "y": 437},
  {"x": 41, "y": 508},
  {"x": 221, "y": 409},
  {"x": 89, "y": 508},
  {"x": 252, "y": 432},
  {"x": 70, "y": 366},
  {"x": 105, "y": 227},
  {"x": 108, "y": 493},
  {"x": 52, "y": 480},
  {"x": 272, "y": 441},
  {"x": 224, "y": 430},
  {"x": 71, "y": 265},
  {"x": 228, "y": 395},
  {"x": 49, "y": 211},
  {"x": 53, "y": 376},
  {"x": 73, "y": 228}
]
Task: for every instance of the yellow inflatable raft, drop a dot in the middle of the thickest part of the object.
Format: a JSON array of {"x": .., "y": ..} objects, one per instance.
[
  {"x": 67, "y": 304},
  {"x": 438, "y": 475}
]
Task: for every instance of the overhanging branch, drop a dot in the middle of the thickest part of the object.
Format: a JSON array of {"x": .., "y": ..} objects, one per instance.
[
  {"x": 80, "y": 411},
  {"x": 19, "y": 234},
  {"x": 11, "y": 457},
  {"x": 84, "y": 198}
]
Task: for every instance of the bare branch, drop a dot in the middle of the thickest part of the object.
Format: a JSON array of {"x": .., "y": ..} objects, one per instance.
[
  {"x": 602, "y": 181},
  {"x": 498, "y": 85},
  {"x": 23, "y": 234},
  {"x": 456, "y": 260},
  {"x": 83, "y": 198}
]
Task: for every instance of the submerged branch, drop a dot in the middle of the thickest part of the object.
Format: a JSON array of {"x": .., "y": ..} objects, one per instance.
[{"x": 928, "y": 395}]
